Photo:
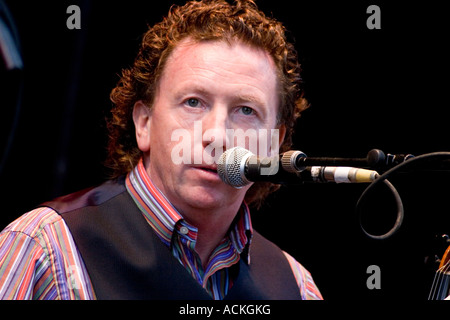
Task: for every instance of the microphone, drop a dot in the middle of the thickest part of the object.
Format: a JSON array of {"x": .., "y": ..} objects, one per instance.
[{"x": 238, "y": 167}]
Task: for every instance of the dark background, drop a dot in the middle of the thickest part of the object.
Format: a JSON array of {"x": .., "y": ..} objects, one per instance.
[{"x": 368, "y": 89}]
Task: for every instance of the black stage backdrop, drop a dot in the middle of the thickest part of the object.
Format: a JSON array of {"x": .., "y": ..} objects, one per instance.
[{"x": 382, "y": 88}]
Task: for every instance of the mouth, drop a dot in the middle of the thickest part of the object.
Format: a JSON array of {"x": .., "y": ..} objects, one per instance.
[
  {"x": 209, "y": 170},
  {"x": 212, "y": 169}
]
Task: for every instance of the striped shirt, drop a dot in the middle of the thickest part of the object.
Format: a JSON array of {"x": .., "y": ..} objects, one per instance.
[{"x": 39, "y": 258}]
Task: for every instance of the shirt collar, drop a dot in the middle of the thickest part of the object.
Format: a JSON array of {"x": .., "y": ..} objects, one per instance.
[{"x": 164, "y": 218}]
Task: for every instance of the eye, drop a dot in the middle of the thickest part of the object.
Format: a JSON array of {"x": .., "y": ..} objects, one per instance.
[
  {"x": 192, "y": 102},
  {"x": 247, "y": 111}
]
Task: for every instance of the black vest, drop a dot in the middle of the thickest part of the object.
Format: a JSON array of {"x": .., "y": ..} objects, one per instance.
[{"x": 125, "y": 258}]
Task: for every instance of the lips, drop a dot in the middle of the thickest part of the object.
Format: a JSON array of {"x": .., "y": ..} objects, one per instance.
[
  {"x": 208, "y": 168},
  {"x": 209, "y": 171},
  {"x": 205, "y": 173}
]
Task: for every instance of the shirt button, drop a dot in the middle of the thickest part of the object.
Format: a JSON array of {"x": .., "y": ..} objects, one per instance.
[{"x": 184, "y": 230}]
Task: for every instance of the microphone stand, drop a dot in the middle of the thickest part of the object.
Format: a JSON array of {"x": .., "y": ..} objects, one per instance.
[{"x": 375, "y": 159}]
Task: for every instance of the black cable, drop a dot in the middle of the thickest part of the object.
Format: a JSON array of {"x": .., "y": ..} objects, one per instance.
[
  {"x": 400, "y": 211},
  {"x": 383, "y": 178}
]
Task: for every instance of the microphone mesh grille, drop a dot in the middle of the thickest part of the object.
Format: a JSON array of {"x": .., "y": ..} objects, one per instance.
[{"x": 230, "y": 166}]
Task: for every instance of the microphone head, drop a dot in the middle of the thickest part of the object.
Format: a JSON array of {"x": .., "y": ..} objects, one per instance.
[{"x": 231, "y": 167}]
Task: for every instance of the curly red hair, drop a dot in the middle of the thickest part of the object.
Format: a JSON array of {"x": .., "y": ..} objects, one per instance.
[{"x": 201, "y": 21}]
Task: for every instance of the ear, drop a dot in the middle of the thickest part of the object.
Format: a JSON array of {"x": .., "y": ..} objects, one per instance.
[{"x": 142, "y": 122}]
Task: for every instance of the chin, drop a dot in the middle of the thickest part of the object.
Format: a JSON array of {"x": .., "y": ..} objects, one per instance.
[
  {"x": 207, "y": 201},
  {"x": 208, "y": 198}
]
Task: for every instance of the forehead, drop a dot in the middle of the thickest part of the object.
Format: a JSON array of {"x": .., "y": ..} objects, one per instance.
[{"x": 222, "y": 63}]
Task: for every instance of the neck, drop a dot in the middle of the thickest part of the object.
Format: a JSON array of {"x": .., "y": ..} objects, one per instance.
[{"x": 212, "y": 221}]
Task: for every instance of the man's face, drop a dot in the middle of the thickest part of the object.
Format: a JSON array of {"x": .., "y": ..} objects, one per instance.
[{"x": 205, "y": 89}]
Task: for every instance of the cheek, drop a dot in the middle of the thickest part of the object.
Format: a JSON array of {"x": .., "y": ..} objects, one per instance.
[
  {"x": 167, "y": 144},
  {"x": 161, "y": 131}
]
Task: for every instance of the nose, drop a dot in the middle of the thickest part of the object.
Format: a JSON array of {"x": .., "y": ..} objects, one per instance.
[{"x": 214, "y": 125}]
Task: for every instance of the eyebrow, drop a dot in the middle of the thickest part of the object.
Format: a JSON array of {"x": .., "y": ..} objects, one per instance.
[
  {"x": 192, "y": 89},
  {"x": 245, "y": 97}
]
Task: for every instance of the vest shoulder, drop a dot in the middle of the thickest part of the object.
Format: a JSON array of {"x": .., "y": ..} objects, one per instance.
[{"x": 93, "y": 196}]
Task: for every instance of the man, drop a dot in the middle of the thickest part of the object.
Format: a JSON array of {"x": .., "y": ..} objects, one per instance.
[{"x": 164, "y": 229}]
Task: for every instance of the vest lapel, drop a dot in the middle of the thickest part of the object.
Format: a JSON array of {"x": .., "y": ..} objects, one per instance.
[{"x": 268, "y": 277}]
